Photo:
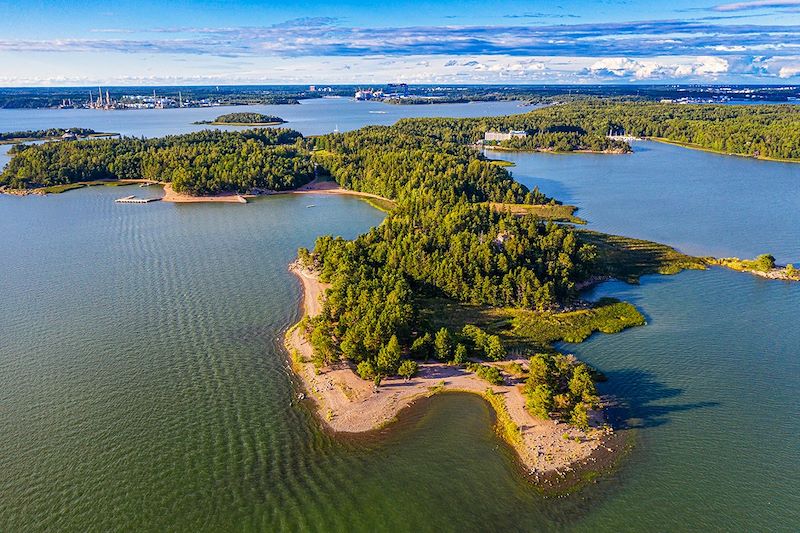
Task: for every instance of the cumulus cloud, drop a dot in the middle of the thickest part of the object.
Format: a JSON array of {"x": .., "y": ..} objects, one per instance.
[
  {"x": 789, "y": 71},
  {"x": 623, "y": 67}
]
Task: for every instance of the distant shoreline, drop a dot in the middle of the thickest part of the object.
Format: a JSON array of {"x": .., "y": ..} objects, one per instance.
[
  {"x": 691, "y": 146},
  {"x": 18, "y": 140}
]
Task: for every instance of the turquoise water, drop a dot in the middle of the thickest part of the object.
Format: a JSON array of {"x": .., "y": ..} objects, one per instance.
[{"x": 143, "y": 386}]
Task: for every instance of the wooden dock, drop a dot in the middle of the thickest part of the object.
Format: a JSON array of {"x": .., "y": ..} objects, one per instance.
[{"x": 132, "y": 199}]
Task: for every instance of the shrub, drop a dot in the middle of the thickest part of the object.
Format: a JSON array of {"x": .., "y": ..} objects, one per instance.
[
  {"x": 489, "y": 373},
  {"x": 407, "y": 369}
]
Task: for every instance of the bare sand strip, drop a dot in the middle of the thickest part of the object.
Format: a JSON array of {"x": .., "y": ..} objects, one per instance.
[
  {"x": 313, "y": 187},
  {"x": 346, "y": 403}
]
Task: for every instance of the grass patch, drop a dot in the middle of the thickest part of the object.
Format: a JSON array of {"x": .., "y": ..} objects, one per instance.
[
  {"x": 58, "y": 189},
  {"x": 628, "y": 259},
  {"x": 381, "y": 204},
  {"x": 505, "y": 425},
  {"x": 556, "y": 212},
  {"x": 501, "y": 163},
  {"x": 526, "y": 330},
  {"x": 608, "y": 315}
]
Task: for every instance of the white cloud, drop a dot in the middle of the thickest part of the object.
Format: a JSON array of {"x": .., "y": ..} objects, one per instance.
[
  {"x": 789, "y": 71},
  {"x": 647, "y": 69}
]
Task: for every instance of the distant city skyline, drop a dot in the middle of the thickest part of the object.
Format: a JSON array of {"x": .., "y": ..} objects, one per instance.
[{"x": 47, "y": 43}]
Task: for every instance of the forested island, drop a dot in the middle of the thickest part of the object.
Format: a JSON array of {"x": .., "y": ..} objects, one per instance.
[
  {"x": 244, "y": 119},
  {"x": 52, "y": 134}
]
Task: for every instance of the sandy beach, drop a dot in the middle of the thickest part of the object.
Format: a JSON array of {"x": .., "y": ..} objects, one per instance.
[
  {"x": 171, "y": 196},
  {"x": 346, "y": 403},
  {"x": 313, "y": 187}
]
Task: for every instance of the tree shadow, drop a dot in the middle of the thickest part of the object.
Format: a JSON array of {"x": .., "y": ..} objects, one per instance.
[{"x": 640, "y": 400}]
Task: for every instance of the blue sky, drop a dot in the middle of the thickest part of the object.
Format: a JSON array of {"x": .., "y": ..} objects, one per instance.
[{"x": 560, "y": 41}]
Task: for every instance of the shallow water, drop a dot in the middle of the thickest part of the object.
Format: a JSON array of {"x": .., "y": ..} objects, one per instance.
[{"x": 143, "y": 387}]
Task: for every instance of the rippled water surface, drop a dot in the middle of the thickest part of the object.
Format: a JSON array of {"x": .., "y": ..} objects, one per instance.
[{"x": 143, "y": 387}]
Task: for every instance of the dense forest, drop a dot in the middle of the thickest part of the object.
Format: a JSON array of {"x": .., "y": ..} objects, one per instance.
[
  {"x": 760, "y": 131},
  {"x": 441, "y": 240},
  {"x": 205, "y": 162},
  {"x": 244, "y": 118}
]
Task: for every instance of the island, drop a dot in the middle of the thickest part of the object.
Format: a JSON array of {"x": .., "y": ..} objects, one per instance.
[
  {"x": 464, "y": 287},
  {"x": 244, "y": 119},
  {"x": 52, "y": 134}
]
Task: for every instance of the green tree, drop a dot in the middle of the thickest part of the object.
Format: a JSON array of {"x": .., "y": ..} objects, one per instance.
[
  {"x": 407, "y": 369},
  {"x": 765, "y": 262},
  {"x": 422, "y": 347},
  {"x": 539, "y": 370},
  {"x": 494, "y": 348},
  {"x": 443, "y": 344},
  {"x": 539, "y": 401},
  {"x": 460, "y": 356},
  {"x": 366, "y": 370},
  {"x": 581, "y": 385},
  {"x": 580, "y": 416},
  {"x": 389, "y": 357},
  {"x": 322, "y": 345}
]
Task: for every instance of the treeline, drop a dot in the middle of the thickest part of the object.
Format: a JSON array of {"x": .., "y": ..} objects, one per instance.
[
  {"x": 771, "y": 131},
  {"x": 245, "y": 118},
  {"x": 205, "y": 162},
  {"x": 45, "y": 134},
  {"x": 544, "y": 133},
  {"x": 396, "y": 161}
]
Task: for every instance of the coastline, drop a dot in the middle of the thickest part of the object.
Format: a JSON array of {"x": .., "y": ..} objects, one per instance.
[
  {"x": 780, "y": 273},
  {"x": 550, "y": 151},
  {"x": 19, "y": 140},
  {"x": 691, "y": 146},
  {"x": 315, "y": 186},
  {"x": 554, "y": 455}
]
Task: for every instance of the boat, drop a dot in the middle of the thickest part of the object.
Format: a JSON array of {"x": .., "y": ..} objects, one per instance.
[{"x": 311, "y": 205}]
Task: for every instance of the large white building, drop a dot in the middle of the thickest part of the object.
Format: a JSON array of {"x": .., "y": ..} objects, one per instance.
[{"x": 499, "y": 136}]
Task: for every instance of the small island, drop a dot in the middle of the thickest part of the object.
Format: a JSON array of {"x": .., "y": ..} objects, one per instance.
[
  {"x": 243, "y": 119},
  {"x": 52, "y": 134}
]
